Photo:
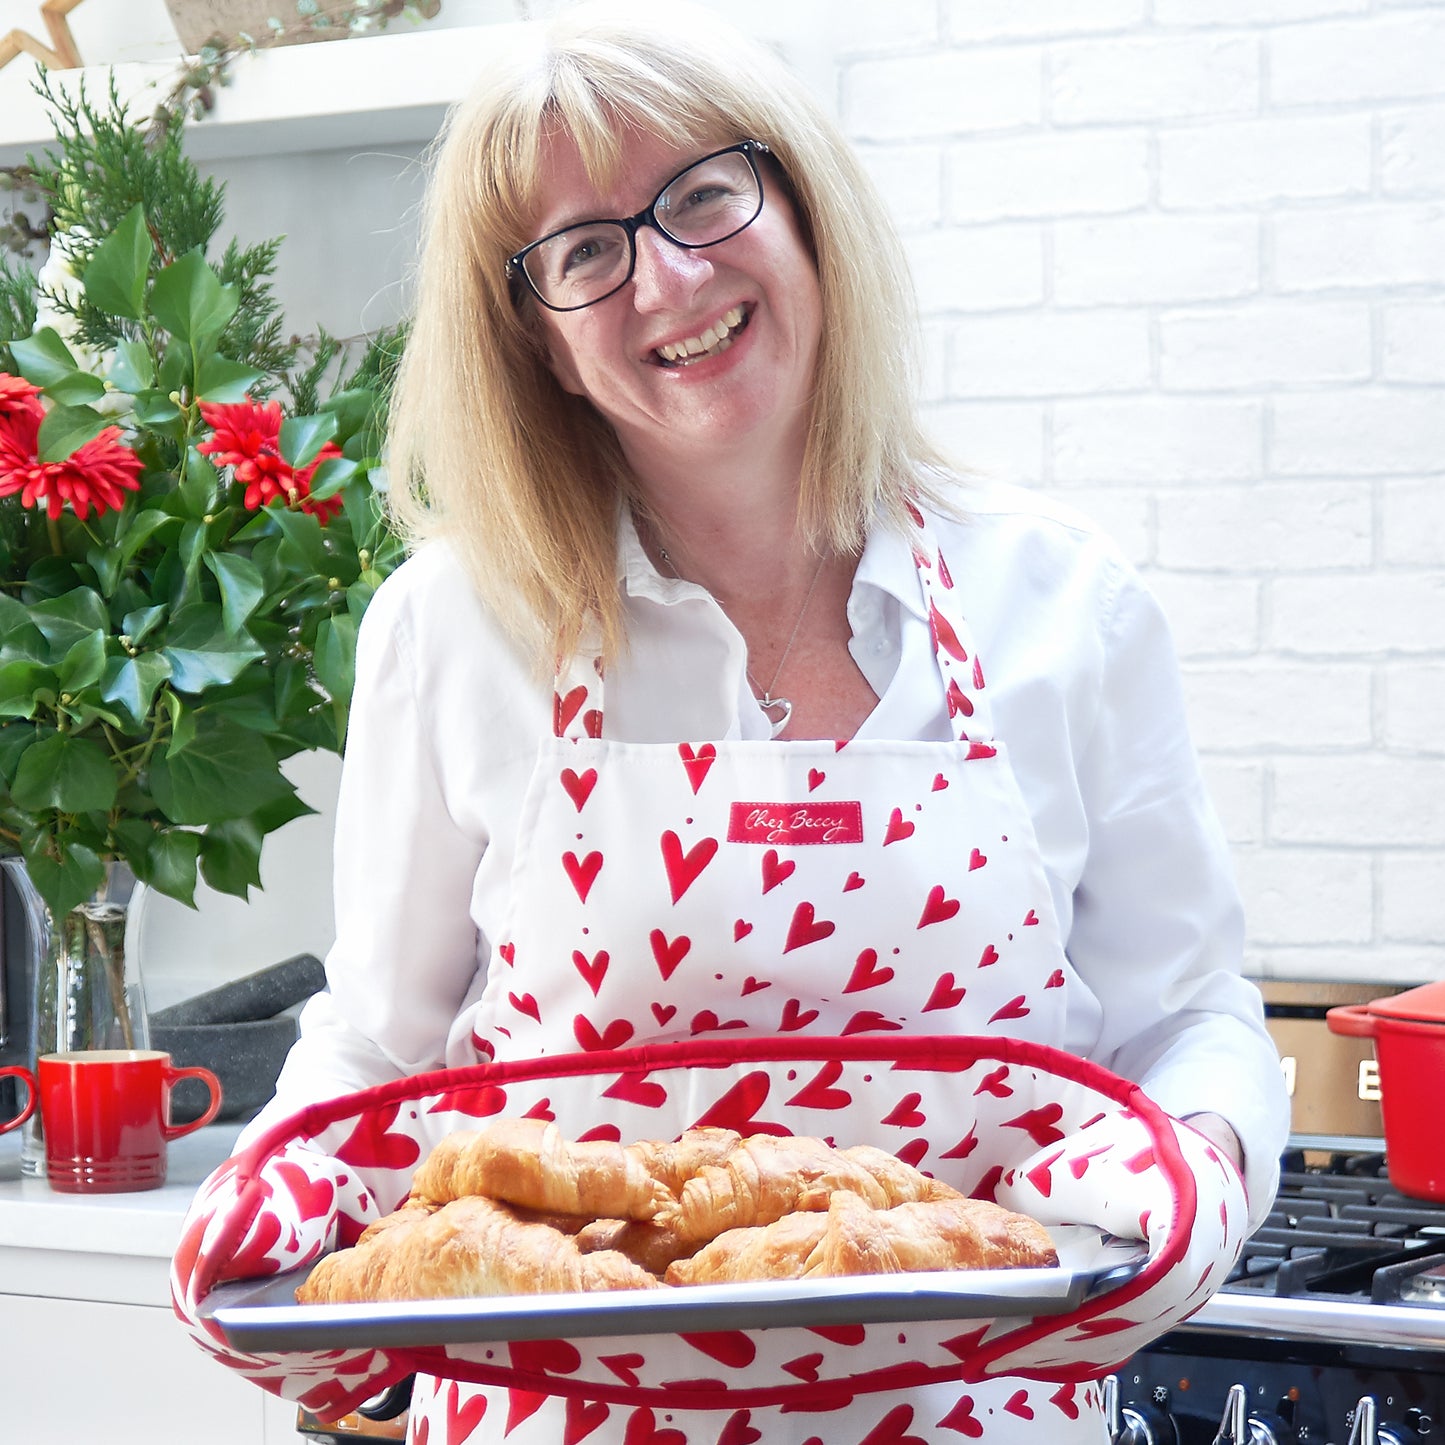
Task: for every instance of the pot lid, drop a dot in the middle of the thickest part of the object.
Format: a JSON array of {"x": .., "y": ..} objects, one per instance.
[{"x": 1425, "y": 1004}]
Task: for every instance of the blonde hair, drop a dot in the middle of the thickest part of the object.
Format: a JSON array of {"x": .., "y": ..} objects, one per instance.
[{"x": 525, "y": 479}]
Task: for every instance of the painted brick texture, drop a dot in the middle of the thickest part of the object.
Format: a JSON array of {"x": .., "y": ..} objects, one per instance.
[{"x": 1182, "y": 262}]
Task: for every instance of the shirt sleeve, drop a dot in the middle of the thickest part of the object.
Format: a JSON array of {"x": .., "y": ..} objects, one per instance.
[
  {"x": 1158, "y": 926},
  {"x": 406, "y": 945}
]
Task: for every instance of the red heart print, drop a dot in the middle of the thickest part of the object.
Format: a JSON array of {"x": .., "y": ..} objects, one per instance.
[
  {"x": 946, "y": 994},
  {"x": 1031, "y": 919},
  {"x": 805, "y": 1367},
  {"x": 741, "y": 929},
  {"x": 977, "y": 673},
  {"x": 1039, "y": 1124},
  {"x": 776, "y": 870},
  {"x": 728, "y": 1347},
  {"x": 592, "y": 723},
  {"x": 583, "y": 873},
  {"x": 806, "y": 928},
  {"x": 564, "y": 709},
  {"x": 962, "y": 1419},
  {"x": 988, "y": 957},
  {"x": 739, "y": 1430},
  {"x": 937, "y": 908},
  {"x": 542, "y": 1109},
  {"x": 642, "y": 1430},
  {"x": 944, "y": 575},
  {"x": 855, "y": 880},
  {"x": 867, "y": 1021},
  {"x": 898, "y": 829},
  {"x": 1041, "y": 1175},
  {"x": 939, "y": 782},
  {"x": 696, "y": 764},
  {"x": 521, "y": 1405},
  {"x": 314, "y": 1197},
  {"x": 981, "y": 750},
  {"x": 669, "y": 952},
  {"x": 1079, "y": 1164},
  {"x": 613, "y": 1036},
  {"x": 866, "y": 973},
  {"x": 1018, "y": 1404},
  {"x": 1063, "y": 1401},
  {"x": 683, "y": 868},
  {"x": 636, "y": 1089},
  {"x": 890, "y": 1430},
  {"x": 508, "y": 952},
  {"x": 525, "y": 1004},
  {"x": 794, "y": 1017},
  {"x": 737, "y": 1109},
  {"x": 551, "y": 1357},
  {"x": 593, "y": 970},
  {"x": 1015, "y": 1008},
  {"x": 664, "y": 1013},
  {"x": 976, "y": 860},
  {"x": 1056, "y": 979},
  {"x": 706, "y": 1022},
  {"x": 819, "y": 1093},
  {"x": 840, "y": 1334},
  {"x": 625, "y": 1367},
  {"x": 944, "y": 634},
  {"x": 957, "y": 700},
  {"x": 963, "y": 1148},
  {"x": 463, "y": 1418},
  {"x": 579, "y": 786},
  {"x": 583, "y": 1417},
  {"x": 906, "y": 1114},
  {"x": 995, "y": 1082},
  {"x": 913, "y": 1151},
  {"x": 816, "y": 777},
  {"x": 754, "y": 985}
]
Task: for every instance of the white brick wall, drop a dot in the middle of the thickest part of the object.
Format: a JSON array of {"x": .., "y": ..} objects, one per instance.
[{"x": 1183, "y": 262}]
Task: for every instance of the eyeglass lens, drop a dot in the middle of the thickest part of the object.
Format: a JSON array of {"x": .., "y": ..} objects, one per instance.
[{"x": 707, "y": 203}]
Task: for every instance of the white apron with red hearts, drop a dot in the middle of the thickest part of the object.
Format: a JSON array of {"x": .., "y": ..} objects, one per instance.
[
  {"x": 683, "y": 891},
  {"x": 672, "y": 904}
]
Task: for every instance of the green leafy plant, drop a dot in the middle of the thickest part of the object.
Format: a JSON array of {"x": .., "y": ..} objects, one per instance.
[{"x": 189, "y": 530}]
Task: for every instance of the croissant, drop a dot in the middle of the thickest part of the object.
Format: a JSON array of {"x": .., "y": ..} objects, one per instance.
[
  {"x": 766, "y": 1177},
  {"x": 528, "y": 1162},
  {"x": 471, "y": 1246},
  {"x": 852, "y": 1238}
]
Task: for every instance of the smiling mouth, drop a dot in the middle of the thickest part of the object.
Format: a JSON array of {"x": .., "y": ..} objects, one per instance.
[{"x": 713, "y": 342}]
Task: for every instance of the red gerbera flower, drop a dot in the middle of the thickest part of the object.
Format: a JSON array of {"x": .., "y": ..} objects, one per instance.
[
  {"x": 93, "y": 478},
  {"x": 246, "y": 437}
]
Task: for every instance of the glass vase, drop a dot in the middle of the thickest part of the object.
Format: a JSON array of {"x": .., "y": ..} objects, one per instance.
[{"x": 85, "y": 982}]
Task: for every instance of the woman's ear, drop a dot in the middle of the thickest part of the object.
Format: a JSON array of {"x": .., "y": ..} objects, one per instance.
[{"x": 558, "y": 357}]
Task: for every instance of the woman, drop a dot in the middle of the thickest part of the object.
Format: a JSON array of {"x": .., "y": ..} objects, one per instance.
[{"x": 655, "y": 434}]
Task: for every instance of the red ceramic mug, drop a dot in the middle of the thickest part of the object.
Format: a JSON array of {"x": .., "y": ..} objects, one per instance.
[
  {"x": 28, "y": 1079},
  {"x": 106, "y": 1115}
]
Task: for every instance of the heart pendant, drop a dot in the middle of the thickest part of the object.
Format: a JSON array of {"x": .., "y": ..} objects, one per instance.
[{"x": 777, "y": 710}]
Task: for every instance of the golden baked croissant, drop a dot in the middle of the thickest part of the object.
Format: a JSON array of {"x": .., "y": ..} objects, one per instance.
[
  {"x": 528, "y": 1162},
  {"x": 853, "y": 1238},
  {"x": 471, "y": 1246},
  {"x": 766, "y": 1177}
]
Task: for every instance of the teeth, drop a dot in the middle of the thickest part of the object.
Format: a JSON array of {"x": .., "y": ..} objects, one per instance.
[{"x": 717, "y": 338}]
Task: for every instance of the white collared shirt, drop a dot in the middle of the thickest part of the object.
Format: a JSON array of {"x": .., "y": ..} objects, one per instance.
[{"x": 1085, "y": 692}]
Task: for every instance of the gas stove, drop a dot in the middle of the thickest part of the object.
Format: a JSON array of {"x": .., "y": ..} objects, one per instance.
[{"x": 1331, "y": 1330}]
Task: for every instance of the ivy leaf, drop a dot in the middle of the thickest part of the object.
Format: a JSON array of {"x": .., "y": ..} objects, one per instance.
[
  {"x": 202, "y": 653},
  {"x": 336, "y": 655},
  {"x": 139, "y": 625},
  {"x": 171, "y": 864},
  {"x": 242, "y": 587},
  {"x": 227, "y": 772},
  {"x": 65, "y": 882},
  {"x": 64, "y": 620},
  {"x": 15, "y": 737},
  {"x": 78, "y": 389},
  {"x": 155, "y": 409},
  {"x": 67, "y": 427},
  {"x": 331, "y": 476},
  {"x": 70, "y": 774},
  {"x": 131, "y": 682},
  {"x": 21, "y": 685},
  {"x": 303, "y": 436},
  {"x": 189, "y": 300},
  {"x": 83, "y": 663},
  {"x": 115, "y": 279},
  {"x": 219, "y": 379},
  {"x": 231, "y": 856},
  {"x": 43, "y": 358},
  {"x": 131, "y": 368}
]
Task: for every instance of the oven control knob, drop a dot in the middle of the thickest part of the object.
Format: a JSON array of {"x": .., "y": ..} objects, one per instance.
[
  {"x": 1135, "y": 1423},
  {"x": 1414, "y": 1428},
  {"x": 1240, "y": 1426}
]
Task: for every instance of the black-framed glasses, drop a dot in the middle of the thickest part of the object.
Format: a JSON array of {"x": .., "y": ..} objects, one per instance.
[{"x": 713, "y": 199}]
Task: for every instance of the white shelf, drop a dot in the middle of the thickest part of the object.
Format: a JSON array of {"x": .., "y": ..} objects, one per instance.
[{"x": 341, "y": 94}]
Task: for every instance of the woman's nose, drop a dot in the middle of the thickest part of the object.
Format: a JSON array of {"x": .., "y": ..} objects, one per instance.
[{"x": 666, "y": 276}]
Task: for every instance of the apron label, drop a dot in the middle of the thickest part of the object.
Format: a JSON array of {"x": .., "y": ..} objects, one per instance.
[{"x": 795, "y": 823}]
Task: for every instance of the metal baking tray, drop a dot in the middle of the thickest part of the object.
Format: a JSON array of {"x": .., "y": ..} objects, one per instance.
[{"x": 263, "y": 1315}]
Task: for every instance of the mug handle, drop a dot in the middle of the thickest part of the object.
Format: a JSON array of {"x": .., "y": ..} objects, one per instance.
[
  {"x": 173, "y": 1076},
  {"x": 31, "y": 1095}
]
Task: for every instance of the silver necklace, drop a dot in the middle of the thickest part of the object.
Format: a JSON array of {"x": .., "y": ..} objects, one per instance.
[{"x": 777, "y": 710}]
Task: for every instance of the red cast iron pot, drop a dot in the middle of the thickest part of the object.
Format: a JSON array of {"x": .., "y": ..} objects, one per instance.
[{"x": 1409, "y": 1035}]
